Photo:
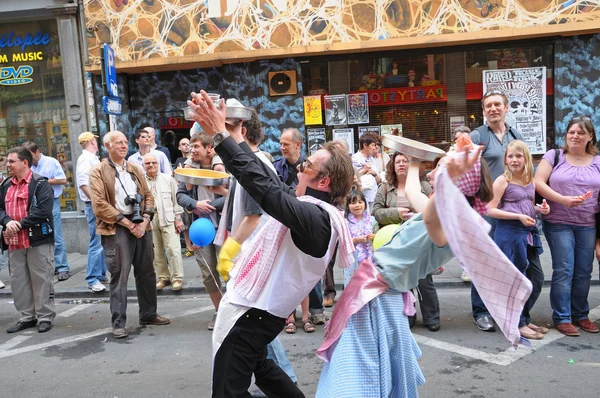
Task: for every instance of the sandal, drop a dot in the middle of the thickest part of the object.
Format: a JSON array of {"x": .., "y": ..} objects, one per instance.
[
  {"x": 539, "y": 329},
  {"x": 290, "y": 328},
  {"x": 308, "y": 326}
]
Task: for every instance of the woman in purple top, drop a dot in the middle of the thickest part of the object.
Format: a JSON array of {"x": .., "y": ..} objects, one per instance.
[
  {"x": 516, "y": 233},
  {"x": 571, "y": 187}
]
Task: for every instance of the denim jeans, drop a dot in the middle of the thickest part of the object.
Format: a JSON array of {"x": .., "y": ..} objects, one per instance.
[
  {"x": 276, "y": 352},
  {"x": 96, "y": 264},
  {"x": 61, "y": 263},
  {"x": 535, "y": 274},
  {"x": 477, "y": 305},
  {"x": 572, "y": 249},
  {"x": 315, "y": 299}
]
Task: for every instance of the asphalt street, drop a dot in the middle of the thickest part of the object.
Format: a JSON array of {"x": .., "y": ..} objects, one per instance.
[{"x": 79, "y": 358}]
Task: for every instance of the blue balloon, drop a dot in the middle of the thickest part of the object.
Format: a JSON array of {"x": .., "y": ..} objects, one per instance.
[{"x": 202, "y": 232}]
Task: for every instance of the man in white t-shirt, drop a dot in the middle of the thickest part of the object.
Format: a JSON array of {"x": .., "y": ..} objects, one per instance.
[{"x": 363, "y": 161}]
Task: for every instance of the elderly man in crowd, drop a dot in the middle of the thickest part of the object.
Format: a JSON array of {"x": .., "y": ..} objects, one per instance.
[
  {"x": 26, "y": 215},
  {"x": 198, "y": 199},
  {"x": 494, "y": 135},
  {"x": 143, "y": 141},
  {"x": 96, "y": 265},
  {"x": 166, "y": 225},
  {"x": 50, "y": 168},
  {"x": 124, "y": 208},
  {"x": 291, "y": 147}
]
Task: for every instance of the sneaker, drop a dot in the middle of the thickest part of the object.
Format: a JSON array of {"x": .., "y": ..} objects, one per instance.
[
  {"x": 44, "y": 326},
  {"x": 211, "y": 323},
  {"x": 63, "y": 276},
  {"x": 318, "y": 319},
  {"x": 586, "y": 325},
  {"x": 162, "y": 284},
  {"x": 97, "y": 287},
  {"x": 465, "y": 277},
  {"x": 2, "y": 285},
  {"x": 119, "y": 333},
  {"x": 177, "y": 285},
  {"x": 21, "y": 325},
  {"x": 485, "y": 323},
  {"x": 567, "y": 329},
  {"x": 157, "y": 321}
]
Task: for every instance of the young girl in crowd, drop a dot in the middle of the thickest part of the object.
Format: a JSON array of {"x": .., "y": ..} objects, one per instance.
[
  {"x": 516, "y": 233},
  {"x": 368, "y": 348},
  {"x": 361, "y": 229}
]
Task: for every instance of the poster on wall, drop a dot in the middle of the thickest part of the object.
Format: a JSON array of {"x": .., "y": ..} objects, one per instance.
[
  {"x": 358, "y": 108},
  {"x": 312, "y": 110},
  {"x": 393, "y": 129},
  {"x": 368, "y": 129},
  {"x": 345, "y": 135},
  {"x": 526, "y": 92},
  {"x": 316, "y": 138},
  {"x": 456, "y": 122},
  {"x": 335, "y": 110}
]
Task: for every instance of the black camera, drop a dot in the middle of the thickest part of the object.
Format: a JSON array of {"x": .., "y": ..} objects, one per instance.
[{"x": 136, "y": 201}]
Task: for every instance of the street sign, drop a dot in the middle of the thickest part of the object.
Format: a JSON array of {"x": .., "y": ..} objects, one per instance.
[
  {"x": 110, "y": 68},
  {"x": 112, "y": 105}
]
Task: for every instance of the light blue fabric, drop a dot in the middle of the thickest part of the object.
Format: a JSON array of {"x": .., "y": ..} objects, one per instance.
[
  {"x": 50, "y": 168},
  {"x": 61, "y": 264},
  {"x": 96, "y": 264},
  {"x": 410, "y": 255},
  {"x": 376, "y": 356},
  {"x": 276, "y": 352}
]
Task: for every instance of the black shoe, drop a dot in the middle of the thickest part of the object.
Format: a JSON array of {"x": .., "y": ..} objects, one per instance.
[
  {"x": 485, "y": 323},
  {"x": 20, "y": 325},
  {"x": 434, "y": 327},
  {"x": 44, "y": 327},
  {"x": 412, "y": 319},
  {"x": 63, "y": 276}
]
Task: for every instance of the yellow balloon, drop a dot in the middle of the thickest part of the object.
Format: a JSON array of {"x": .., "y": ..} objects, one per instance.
[{"x": 384, "y": 235}]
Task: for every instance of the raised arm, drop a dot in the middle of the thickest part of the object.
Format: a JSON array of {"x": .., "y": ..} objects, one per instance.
[{"x": 412, "y": 188}]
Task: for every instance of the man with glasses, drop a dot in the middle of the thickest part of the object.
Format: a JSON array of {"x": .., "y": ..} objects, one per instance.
[
  {"x": 279, "y": 268},
  {"x": 143, "y": 141},
  {"x": 124, "y": 208},
  {"x": 26, "y": 215},
  {"x": 494, "y": 135}
]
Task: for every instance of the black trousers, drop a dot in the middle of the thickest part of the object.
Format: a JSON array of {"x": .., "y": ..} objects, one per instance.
[
  {"x": 329, "y": 290},
  {"x": 428, "y": 301},
  {"x": 121, "y": 251},
  {"x": 244, "y": 352}
]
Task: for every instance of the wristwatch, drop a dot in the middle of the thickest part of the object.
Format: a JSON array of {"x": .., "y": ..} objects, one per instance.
[{"x": 219, "y": 137}]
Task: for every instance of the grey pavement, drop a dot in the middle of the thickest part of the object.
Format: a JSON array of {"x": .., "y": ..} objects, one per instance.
[{"x": 76, "y": 285}]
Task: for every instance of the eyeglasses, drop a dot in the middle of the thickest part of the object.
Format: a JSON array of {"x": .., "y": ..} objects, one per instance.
[
  {"x": 492, "y": 92},
  {"x": 306, "y": 165}
]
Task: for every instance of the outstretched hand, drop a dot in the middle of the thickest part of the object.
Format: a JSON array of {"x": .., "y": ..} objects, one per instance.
[
  {"x": 208, "y": 116},
  {"x": 463, "y": 161}
]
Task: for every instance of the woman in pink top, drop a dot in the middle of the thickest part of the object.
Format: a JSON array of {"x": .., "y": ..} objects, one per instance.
[{"x": 571, "y": 188}]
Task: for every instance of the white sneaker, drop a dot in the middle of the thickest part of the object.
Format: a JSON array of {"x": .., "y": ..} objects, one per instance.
[
  {"x": 465, "y": 277},
  {"x": 2, "y": 285},
  {"x": 97, "y": 287}
]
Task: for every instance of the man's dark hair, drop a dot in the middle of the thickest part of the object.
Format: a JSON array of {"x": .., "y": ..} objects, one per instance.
[
  {"x": 31, "y": 147},
  {"x": 366, "y": 140},
  {"x": 170, "y": 137},
  {"x": 254, "y": 133},
  {"x": 138, "y": 133},
  {"x": 22, "y": 153},
  {"x": 340, "y": 172}
]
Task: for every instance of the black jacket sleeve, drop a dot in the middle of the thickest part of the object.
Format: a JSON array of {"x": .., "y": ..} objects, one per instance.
[
  {"x": 4, "y": 218},
  {"x": 308, "y": 223},
  {"x": 41, "y": 209}
]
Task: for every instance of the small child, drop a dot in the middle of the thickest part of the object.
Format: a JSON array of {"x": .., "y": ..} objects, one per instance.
[{"x": 361, "y": 229}]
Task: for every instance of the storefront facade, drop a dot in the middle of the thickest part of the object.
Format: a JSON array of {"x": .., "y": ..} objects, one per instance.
[
  {"x": 39, "y": 49},
  {"x": 420, "y": 64}
]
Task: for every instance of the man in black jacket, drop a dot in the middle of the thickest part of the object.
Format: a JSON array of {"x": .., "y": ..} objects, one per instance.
[{"x": 26, "y": 202}]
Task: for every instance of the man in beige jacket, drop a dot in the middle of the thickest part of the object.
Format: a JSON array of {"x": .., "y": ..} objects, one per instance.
[{"x": 166, "y": 225}]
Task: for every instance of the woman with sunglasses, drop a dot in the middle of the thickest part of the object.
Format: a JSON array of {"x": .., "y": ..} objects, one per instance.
[{"x": 571, "y": 188}]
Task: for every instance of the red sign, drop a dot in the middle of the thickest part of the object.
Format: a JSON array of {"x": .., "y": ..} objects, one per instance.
[
  {"x": 407, "y": 95},
  {"x": 175, "y": 122}
]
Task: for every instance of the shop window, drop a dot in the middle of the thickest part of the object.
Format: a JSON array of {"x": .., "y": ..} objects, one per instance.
[{"x": 32, "y": 97}]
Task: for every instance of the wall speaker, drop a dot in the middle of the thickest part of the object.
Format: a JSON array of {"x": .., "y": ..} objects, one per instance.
[{"x": 283, "y": 83}]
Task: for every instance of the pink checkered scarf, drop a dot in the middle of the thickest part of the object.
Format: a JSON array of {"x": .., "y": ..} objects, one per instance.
[
  {"x": 503, "y": 289},
  {"x": 258, "y": 258},
  {"x": 469, "y": 185}
]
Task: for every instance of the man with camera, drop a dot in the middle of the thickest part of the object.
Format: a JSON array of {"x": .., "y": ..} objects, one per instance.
[
  {"x": 166, "y": 225},
  {"x": 124, "y": 208},
  {"x": 26, "y": 215}
]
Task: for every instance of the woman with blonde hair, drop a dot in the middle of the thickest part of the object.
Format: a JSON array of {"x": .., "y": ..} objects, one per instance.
[
  {"x": 516, "y": 233},
  {"x": 570, "y": 182}
]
